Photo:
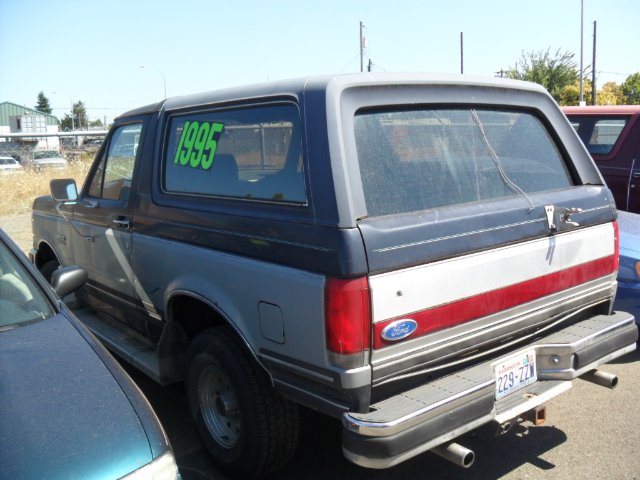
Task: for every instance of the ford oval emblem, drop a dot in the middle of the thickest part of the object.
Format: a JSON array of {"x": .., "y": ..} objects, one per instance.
[{"x": 399, "y": 329}]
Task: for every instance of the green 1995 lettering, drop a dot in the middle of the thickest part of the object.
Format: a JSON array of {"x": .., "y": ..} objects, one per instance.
[{"x": 198, "y": 144}]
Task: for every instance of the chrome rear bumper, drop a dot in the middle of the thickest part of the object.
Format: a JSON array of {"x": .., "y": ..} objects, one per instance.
[{"x": 405, "y": 425}]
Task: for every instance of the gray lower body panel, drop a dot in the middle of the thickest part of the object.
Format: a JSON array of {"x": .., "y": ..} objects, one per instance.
[
  {"x": 420, "y": 419},
  {"x": 132, "y": 347}
]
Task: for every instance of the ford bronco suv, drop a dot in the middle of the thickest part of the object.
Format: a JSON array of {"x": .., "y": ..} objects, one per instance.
[{"x": 415, "y": 255}]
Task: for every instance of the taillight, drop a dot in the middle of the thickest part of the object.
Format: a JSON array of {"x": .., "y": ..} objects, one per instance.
[
  {"x": 347, "y": 315},
  {"x": 616, "y": 239}
]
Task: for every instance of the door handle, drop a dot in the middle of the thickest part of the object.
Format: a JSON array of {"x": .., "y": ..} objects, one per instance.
[{"x": 122, "y": 222}]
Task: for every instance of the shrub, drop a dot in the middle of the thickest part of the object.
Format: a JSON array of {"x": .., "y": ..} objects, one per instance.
[{"x": 20, "y": 188}]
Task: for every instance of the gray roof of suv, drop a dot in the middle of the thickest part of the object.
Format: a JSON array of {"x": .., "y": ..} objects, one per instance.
[{"x": 295, "y": 87}]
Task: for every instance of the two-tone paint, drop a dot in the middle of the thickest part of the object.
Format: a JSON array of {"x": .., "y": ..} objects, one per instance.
[{"x": 480, "y": 280}]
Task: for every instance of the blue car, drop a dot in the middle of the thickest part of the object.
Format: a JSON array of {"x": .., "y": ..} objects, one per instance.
[
  {"x": 628, "y": 297},
  {"x": 68, "y": 408}
]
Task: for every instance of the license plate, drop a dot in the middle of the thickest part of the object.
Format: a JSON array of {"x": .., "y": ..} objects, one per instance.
[{"x": 515, "y": 372}]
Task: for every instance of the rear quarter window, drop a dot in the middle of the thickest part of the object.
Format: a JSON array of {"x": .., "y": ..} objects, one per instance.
[
  {"x": 599, "y": 135},
  {"x": 251, "y": 153},
  {"x": 421, "y": 159}
]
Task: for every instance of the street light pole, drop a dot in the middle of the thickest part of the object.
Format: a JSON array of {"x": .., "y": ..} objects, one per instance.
[
  {"x": 581, "y": 53},
  {"x": 461, "y": 53},
  {"x": 164, "y": 81},
  {"x": 362, "y": 46}
]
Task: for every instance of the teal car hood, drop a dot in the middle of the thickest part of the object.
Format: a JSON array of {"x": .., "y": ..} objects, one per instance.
[{"x": 62, "y": 413}]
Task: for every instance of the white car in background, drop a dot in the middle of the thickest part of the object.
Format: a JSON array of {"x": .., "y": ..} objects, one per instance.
[
  {"x": 47, "y": 158},
  {"x": 9, "y": 164}
]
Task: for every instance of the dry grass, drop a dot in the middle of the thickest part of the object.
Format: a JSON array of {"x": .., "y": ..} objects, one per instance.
[{"x": 20, "y": 188}]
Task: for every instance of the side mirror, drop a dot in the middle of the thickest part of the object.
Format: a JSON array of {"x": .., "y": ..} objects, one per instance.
[
  {"x": 64, "y": 190},
  {"x": 65, "y": 280}
]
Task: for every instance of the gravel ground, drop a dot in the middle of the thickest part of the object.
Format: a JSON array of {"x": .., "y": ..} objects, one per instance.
[{"x": 18, "y": 227}]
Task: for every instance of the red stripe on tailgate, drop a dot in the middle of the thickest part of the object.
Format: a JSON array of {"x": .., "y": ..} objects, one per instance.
[{"x": 487, "y": 303}]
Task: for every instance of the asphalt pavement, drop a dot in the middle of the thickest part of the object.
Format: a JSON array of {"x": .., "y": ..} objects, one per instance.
[{"x": 591, "y": 433}]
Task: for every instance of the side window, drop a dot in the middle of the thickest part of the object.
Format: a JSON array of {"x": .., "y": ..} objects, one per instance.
[
  {"x": 250, "y": 153},
  {"x": 112, "y": 178},
  {"x": 599, "y": 135},
  {"x": 605, "y": 135}
]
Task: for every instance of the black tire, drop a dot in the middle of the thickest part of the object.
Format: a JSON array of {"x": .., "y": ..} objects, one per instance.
[
  {"x": 48, "y": 268},
  {"x": 247, "y": 427}
]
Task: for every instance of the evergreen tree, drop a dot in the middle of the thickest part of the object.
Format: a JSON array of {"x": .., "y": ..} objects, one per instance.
[
  {"x": 78, "y": 119},
  {"x": 43, "y": 103}
]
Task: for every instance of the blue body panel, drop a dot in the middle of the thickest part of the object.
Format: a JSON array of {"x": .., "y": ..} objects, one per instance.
[
  {"x": 628, "y": 296},
  {"x": 405, "y": 240},
  {"x": 64, "y": 414}
]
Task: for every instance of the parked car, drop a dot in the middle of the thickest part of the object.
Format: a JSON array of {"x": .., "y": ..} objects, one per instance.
[
  {"x": 628, "y": 297},
  {"x": 9, "y": 164},
  {"x": 68, "y": 408},
  {"x": 92, "y": 145},
  {"x": 612, "y": 137},
  {"x": 416, "y": 255},
  {"x": 47, "y": 158}
]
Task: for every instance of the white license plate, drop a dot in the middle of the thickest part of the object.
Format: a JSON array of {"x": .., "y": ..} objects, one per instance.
[{"x": 515, "y": 372}]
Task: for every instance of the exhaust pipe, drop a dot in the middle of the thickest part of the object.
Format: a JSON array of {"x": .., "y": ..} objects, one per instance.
[
  {"x": 461, "y": 456},
  {"x": 599, "y": 377}
]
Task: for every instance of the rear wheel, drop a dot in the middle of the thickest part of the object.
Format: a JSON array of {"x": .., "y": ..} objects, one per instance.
[{"x": 247, "y": 427}]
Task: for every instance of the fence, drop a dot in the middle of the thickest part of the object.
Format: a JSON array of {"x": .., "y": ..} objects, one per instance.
[{"x": 22, "y": 146}]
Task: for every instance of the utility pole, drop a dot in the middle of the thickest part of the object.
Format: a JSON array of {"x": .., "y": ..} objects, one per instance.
[
  {"x": 362, "y": 41},
  {"x": 593, "y": 68}
]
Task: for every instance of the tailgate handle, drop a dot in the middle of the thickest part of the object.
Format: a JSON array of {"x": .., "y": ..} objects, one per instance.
[{"x": 563, "y": 216}]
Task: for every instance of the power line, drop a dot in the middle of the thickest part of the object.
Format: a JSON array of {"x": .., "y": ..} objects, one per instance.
[{"x": 615, "y": 73}]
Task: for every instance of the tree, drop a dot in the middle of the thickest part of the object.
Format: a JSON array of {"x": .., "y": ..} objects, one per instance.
[
  {"x": 570, "y": 94},
  {"x": 553, "y": 72},
  {"x": 66, "y": 124},
  {"x": 80, "y": 115},
  {"x": 43, "y": 103},
  {"x": 96, "y": 123},
  {"x": 631, "y": 89},
  {"x": 610, "y": 94},
  {"x": 78, "y": 119}
]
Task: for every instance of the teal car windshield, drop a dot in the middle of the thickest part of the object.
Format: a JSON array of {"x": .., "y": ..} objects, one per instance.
[{"x": 21, "y": 300}]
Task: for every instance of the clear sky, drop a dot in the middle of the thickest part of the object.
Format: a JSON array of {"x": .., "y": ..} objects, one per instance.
[{"x": 92, "y": 50}]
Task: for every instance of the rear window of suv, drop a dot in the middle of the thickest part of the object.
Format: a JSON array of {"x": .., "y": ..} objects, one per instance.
[{"x": 418, "y": 159}]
